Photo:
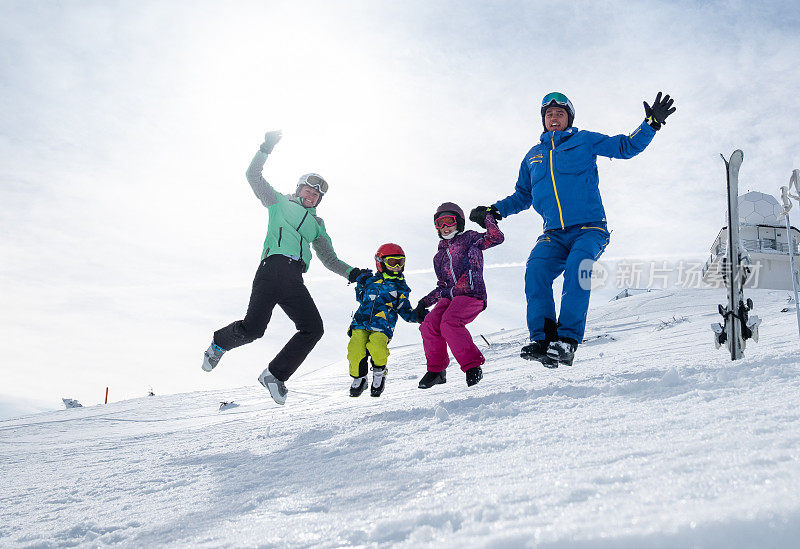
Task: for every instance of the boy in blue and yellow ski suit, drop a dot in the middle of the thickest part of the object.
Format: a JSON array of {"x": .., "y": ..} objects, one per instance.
[
  {"x": 381, "y": 297},
  {"x": 559, "y": 178}
]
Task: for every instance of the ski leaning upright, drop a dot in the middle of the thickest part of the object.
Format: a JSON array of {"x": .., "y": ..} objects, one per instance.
[{"x": 738, "y": 326}]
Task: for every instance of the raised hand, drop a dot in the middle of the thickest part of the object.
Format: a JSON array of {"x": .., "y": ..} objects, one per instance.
[
  {"x": 657, "y": 114},
  {"x": 270, "y": 140}
]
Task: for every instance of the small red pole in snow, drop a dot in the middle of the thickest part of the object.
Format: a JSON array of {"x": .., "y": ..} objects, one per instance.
[{"x": 106, "y": 402}]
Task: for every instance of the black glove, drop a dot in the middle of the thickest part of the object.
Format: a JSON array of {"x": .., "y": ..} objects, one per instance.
[
  {"x": 270, "y": 140},
  {"x": 355, "y": 273},
  {"x": 658, "y": 113},
  {"x": 478, "y": 215},
  {"x": 420, "y": 312}
]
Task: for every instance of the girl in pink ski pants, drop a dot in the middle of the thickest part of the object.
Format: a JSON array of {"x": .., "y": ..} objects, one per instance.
[
  {"x": 446, "y": 325},
  {"x": 459, "y": 296}
]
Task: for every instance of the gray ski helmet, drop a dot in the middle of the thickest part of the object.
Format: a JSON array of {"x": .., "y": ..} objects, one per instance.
[
  {"x": 558, "y": 99},
  {"x": 315, "y": 181},
  {"x": 451, "y": 208}
]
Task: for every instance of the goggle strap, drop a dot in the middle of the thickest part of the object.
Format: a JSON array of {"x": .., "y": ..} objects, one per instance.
[
  {"x": 557, "y": 98},
  {"x": 314, "y": 186},
  {"x": 315, "y": 182}
]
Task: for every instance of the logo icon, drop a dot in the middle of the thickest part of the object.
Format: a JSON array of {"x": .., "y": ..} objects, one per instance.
[{"x": 592, "y": 275}]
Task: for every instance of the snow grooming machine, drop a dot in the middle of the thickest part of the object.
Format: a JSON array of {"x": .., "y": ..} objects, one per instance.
[{"x": 738, "y": 325}]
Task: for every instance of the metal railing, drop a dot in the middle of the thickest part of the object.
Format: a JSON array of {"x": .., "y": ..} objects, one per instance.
[{"x": 768, "y": 244}]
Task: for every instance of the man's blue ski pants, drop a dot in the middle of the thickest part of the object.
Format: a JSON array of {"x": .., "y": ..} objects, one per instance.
[{"x": 572, "y": 250}]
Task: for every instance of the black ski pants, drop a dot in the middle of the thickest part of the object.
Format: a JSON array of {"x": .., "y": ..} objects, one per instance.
[{"x": 278, "y": 281}]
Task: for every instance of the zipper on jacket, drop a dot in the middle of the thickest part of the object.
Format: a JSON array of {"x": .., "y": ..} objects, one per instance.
[
  {"x": 553, "y": 177},
  {"x": 280, "y": 235},
  {"x": 471, "y": 287},
  {"x": 377, "y": 295},
  {"x": 301, "y": 236},
  {"x": 452, "y": 271},
  {"x": 372, "y": 309},
  {"x": 598, "y": 228},
  {"x": 301, "y": 221}
]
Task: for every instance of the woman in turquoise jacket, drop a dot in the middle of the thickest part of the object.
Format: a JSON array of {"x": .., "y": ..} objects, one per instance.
[
  {"x": 558, "y": 177},
  {"x": 293, "y": 229}
]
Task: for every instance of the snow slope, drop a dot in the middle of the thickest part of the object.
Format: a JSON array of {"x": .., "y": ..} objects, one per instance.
[{"x": 653, "y": 438}]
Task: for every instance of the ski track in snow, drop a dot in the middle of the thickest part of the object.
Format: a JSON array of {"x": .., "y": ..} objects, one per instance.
[{"x": 653, "y": 438}]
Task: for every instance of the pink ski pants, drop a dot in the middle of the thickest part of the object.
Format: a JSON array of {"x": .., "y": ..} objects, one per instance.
[{"x": 445, "y": 326}]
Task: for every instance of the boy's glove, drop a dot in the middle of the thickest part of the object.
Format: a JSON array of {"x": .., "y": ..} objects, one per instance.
[
  {"x": 355, "y": 273},
  {"x": 478, "y": 215},
  {"x": 270, "y": 140},
  {"x": 657, "y": 115},
  {"x": 420, "y": 312}
]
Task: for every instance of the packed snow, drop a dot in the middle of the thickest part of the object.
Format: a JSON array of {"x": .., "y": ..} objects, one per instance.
[{"x": 653, "y": 438}]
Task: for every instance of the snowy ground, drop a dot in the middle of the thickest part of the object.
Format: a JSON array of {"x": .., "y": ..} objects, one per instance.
[{"x": 652, "y": 439}]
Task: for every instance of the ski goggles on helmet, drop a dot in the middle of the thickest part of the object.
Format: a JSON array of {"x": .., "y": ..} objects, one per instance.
[
  {"x": 445, "y": 220},
  {"x": 315, "y": 182},
  {"x": 393, "y": 260},
  {"x": 557, "y": 99}
]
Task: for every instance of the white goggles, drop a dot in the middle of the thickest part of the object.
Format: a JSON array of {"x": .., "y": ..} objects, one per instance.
[{"x": 315, "y": 182}]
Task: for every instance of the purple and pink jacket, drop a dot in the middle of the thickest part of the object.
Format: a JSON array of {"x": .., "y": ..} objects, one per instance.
[{"x": 459, "y": 264}]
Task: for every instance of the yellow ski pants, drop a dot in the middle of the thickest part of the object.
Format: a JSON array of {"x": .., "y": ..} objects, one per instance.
[{"x": 363, "y": 342}]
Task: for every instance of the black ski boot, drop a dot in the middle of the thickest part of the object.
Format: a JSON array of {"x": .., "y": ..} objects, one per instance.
[
  {"x": 474, "y": 375},
  {"x": 378, "y": 381},
  {"x": 537, "y": 350},
  {"x": 358, "y": 386},
  {"x": 432, "y": 378},
  {"x": 562, "y": 351}
]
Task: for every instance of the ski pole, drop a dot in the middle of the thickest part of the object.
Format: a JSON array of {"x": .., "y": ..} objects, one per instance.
[{"x": 787, "y": 205}]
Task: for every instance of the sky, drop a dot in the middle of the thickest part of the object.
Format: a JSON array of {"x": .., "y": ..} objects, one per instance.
[{"x": 128, "y": 232}]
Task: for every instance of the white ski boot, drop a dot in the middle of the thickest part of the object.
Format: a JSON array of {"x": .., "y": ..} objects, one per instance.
[
  {"x": 358, "y": 386},
  {"x": 277, "y": 389},
  {"x": 378, "y": 380},
  {"x": 211, "y": 356}
]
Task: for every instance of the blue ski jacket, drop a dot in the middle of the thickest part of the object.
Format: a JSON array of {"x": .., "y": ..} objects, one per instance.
[
  {"x": 558, "y": 176},
  {"x": 381, "y": 298}
]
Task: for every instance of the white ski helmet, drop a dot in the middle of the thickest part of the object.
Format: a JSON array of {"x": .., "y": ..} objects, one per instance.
[{"x": 315, "y": 181}]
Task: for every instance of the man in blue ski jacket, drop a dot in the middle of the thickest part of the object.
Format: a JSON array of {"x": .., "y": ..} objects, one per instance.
[{"x": 558, "y": 177}]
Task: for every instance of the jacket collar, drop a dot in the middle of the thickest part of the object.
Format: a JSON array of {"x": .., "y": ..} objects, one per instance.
[
  {"x": 444, "y": 243},
  {"x": 558, "y": 137},
  {"x": 387, "y": 276},
  {"x": 296, "y": 199}
]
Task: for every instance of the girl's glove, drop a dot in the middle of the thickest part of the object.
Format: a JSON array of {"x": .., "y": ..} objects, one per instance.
[{"x": 420, "y": 312}]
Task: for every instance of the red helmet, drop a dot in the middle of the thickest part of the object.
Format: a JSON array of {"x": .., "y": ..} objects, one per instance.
[{"x": 389, "y": 250}]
